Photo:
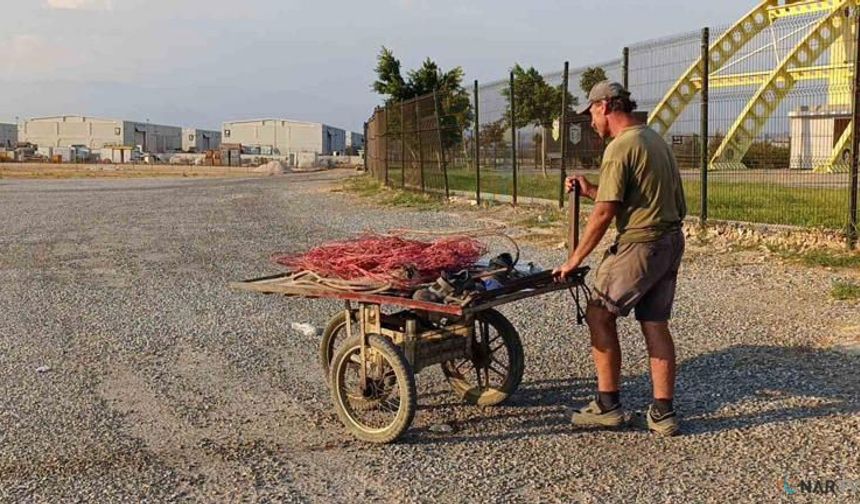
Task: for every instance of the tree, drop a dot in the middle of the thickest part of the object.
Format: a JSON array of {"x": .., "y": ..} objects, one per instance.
[
  {"x": 590, "y": 77},
  {"x": 493, "y": 134},
  {"x": 538, "y": 103},
  {"x": 389, "y": 82},
  {"x": 429, "y": 77},
  {"x": 455, "y": 105}
]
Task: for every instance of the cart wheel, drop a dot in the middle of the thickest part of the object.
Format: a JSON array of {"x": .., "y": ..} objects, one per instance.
[
  {"x": 333, "y": 336},
  {"x": 384, "y": 410},
  {"x": 496, "y": 368}
]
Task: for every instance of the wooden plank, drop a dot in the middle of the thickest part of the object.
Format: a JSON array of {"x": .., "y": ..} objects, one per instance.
[
  {"x": 535, "y": 281},
  {"x": 268, "y": 286},
  {"x": 515, "y": 290},
  {"x": 523, "y": 294}
]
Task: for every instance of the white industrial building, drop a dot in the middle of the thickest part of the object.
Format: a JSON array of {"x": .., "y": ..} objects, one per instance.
[
  {"x": 8, "y": 135},
  {"x": 198, "y": 140},
  {"x": 354, "y": 141},
  {"x": 95, "y": 133},
  {"x": 814, "y": 133},
  {"x": 285, "y": 137}
]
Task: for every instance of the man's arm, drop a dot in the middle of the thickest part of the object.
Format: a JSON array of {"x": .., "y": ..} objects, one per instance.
[{"x": 598, "y": 223}]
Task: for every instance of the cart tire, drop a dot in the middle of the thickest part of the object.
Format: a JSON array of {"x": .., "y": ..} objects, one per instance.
[
  {"x": 333, "y": 336},
  {"x": 393, "y": 400},
  {"x": 488, "y": 379}
]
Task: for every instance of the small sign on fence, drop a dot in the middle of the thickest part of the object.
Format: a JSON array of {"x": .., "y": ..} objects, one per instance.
[{"x": 575, "y": 133}]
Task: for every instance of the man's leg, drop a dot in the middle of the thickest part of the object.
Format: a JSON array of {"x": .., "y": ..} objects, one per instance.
[
  {"x": 661, "y": 350},
  {"x": 661, "y": 417},
  {"x": 605, "y": 410},
  {"x": 653, "y": 312},
  {"x": 604, "y": 347}
]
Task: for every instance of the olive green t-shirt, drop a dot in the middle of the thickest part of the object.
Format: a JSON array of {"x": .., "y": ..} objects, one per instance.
[{"x": 640, "y": 171}]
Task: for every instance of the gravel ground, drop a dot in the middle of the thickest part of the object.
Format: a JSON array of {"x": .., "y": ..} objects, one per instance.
[{"x": 131, "y": 372}]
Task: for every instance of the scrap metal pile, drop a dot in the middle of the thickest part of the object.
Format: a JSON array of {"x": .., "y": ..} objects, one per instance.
[
  {"x": 436, "y": 269},
  {"x": 384, "y": 260}
]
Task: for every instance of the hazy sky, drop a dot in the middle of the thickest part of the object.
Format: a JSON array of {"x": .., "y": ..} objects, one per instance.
[{"x": 200, "y": 62}]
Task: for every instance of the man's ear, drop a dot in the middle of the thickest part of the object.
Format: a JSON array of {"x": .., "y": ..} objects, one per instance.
[{"x": 606, "y": 109}]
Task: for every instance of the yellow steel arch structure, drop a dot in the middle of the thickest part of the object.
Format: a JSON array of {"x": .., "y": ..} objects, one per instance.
[
  {"x": 840, "y": 159},
  {"x": 772, "y": 86},
  {"x": 778, "y": 84},
  {"x": 721, "y": 51}
]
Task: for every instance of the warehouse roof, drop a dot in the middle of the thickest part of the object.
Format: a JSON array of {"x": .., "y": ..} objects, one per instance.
[
  {"x": 113, "y": 119},
  {"x": 78, "y": 116},
  {"x": 65, "y": 116},
  {"x": 240, "y": 121}
]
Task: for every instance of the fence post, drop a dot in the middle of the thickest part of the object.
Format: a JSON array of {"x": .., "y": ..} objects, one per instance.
[
  {"x": 443, "y": 164},
  {"x": 703, "y": 133},
  {"x": 855, "y": 143},
  {"x": 563, "y": 135},
  {"x": 420, "y": 150},
  {"x": 513, "y": 140},
  {"x": 364, "y": 145},
  {"x": 386, "y": 154},
  {"x": 477, "y": 137},
  {"x": 402, "y": 147},
  {"x": 625, "y": 68}
]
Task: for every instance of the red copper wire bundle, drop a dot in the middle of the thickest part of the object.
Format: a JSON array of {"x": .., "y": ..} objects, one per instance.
[{"x": 387, "y": 259}]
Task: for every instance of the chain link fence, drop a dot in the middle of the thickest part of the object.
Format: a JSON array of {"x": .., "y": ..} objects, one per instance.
[{"x": 759, "y": 115}]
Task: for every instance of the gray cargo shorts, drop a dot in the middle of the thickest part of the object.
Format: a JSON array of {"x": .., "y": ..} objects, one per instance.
[{"x": 640, "y": 276}]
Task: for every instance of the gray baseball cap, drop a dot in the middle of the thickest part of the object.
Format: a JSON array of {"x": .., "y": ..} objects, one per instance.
[{"x": 603, "y": 90}]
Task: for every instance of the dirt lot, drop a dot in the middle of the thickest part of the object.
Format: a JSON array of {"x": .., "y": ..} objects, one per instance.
[
  {"x": 130, "y": 372},
  {"x": 66, "y": 171}
]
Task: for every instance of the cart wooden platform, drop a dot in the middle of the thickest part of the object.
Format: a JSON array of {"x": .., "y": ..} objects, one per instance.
[{"x": 370, "y": 356}]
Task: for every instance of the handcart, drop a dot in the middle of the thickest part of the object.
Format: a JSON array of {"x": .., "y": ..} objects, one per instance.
[{"x": 370, "y": 357}]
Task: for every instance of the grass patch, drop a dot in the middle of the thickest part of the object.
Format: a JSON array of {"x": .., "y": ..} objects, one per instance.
[
  {"x": 831, "y": 259},
  {"x": 366, "y": 186},
  {"x": 530, "y": 185},
  {"x": 824, "y": 207},
  {"x": 844, "y": 290},
  {"x": 408, "y": 199},
  {"x": 362, "y": 185},
  {"x": 771, "y": 204},
  {"x": 545, "y": 217},
  {"x": 766, "y": 203},
  {"x": 825, "y": 258}
]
